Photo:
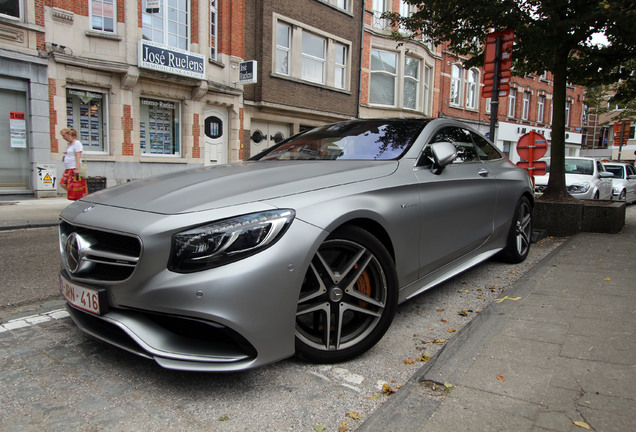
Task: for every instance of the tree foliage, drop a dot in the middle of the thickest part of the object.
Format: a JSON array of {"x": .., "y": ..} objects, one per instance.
[{"x": 550, "y": 35}]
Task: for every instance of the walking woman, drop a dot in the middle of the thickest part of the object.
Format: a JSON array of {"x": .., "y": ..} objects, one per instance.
[{"x": 72, "y": 156}]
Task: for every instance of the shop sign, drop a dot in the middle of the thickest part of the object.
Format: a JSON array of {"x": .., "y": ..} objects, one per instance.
[
  {"x": 171, "y": 60},
  {"x": 17, "y": 127},
  {"x": 248, "y": 72}
]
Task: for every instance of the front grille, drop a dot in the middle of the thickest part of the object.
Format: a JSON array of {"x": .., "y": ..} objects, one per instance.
[{"x": 102, "y": 255}]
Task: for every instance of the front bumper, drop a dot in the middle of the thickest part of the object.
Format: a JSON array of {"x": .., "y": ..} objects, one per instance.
[{"x": 229, "y": 318}]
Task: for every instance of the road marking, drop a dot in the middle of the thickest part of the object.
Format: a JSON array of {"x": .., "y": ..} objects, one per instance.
[
  {"x": 506, "y": 298},
  {"x": 32, "y": 320}
]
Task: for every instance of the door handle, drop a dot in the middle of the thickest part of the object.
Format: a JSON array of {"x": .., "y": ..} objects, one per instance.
[{"x": 483, "y": 172}]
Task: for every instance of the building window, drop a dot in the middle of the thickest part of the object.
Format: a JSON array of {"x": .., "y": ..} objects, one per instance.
[
  {"x": 313, "y": 58},
  {"x": 541, "y": 109},
  {"x": 213, "y": 30},
  {"x": 456, "y": 85},
  {"x": 411, "y": 82},
  {"x": 383, "y": 77},
  {"x": 471, "y": 89},
  {"x": 568, "y": 106},
  {"x": 159, "y": 127},
  {"x": 340, "y": 73},
  {"x": 103, "y": 14},
  {"x": 86, "y": 113},
  {"x": 213, "y": 127},
  {"x": 169, "y": 25},
  {"x": 311, "y": 55},
  {"x": 525, "y": 111},
  {"x": 283, "y": 48},
  {"x": 428, "y": 73},
  {"x": 11, "y": 8},
  {"x": 512, "y": 102},
  {"x": 342, "y": 4},
  {"x": 379, "y": 7}
]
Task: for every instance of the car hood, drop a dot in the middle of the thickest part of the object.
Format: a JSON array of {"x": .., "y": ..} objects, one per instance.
[
  {"x": 208, "y": 188},
  {"x": 570, "y": 179}
]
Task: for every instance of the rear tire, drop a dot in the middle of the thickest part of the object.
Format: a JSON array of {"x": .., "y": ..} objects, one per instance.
[
  {"x": 520, "y": 234},
  {"x": 348, "y": 298}
]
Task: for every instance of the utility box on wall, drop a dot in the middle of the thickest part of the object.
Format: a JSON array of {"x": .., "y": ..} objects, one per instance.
[{"x": 45, "y": 180}]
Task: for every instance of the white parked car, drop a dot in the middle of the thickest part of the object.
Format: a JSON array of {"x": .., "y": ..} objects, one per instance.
[
  {"x": 585, "y": 178},
  {"x": 624, "y": 181}
]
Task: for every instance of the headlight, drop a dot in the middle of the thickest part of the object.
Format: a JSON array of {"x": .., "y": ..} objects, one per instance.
[
  {"x": 579, "y": 188},
  {"x": 228, "y": 240}
]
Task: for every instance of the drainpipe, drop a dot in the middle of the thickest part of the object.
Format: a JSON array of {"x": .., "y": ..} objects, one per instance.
[{"x": 361, "y": 55}]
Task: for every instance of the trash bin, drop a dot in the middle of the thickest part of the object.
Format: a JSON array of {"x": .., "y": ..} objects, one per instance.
[{"x": 95, "y": 184}]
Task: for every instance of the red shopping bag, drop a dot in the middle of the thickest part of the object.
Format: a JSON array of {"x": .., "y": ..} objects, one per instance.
[{"x": 77, "y": 188}]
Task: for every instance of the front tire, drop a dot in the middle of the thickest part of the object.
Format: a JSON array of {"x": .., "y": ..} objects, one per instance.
[
  {"x": 348, "y": 298},
  {"x": 623, "y": 195},
  {"x": 520, "y": 234}
]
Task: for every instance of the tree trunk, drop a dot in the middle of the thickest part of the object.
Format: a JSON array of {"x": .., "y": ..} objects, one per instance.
[{"x": 556, "y": 190}]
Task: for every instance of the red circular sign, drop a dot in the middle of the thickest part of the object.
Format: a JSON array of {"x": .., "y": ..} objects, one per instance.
[{"x": 532, "y": 146}]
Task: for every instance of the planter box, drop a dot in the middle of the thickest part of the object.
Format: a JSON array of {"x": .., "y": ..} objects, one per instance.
[{"x": 561, "y": 219}]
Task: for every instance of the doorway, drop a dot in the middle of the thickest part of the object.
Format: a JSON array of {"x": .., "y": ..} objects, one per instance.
[
  {"x": 215, "y": 136},
  {"x": 265, "y": 134}
]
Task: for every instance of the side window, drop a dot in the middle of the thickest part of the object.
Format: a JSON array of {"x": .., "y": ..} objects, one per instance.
[
  {"x": 485, "y": 150},
  {"x": 461, "y": 139}
]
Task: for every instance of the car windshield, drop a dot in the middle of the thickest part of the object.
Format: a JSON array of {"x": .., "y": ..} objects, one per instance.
[
  {"x": 579, "y": 166},
  {"x": 357, "y": 140},
  {"x": 617, "y": 170}
]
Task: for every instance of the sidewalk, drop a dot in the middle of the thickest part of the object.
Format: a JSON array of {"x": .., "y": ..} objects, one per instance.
[
  {"x": 31, "y": 213},
  {"x": 557, "y": 353}
]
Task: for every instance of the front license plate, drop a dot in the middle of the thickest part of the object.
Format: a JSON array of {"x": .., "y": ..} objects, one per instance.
[{"x": 81, "y": 297}]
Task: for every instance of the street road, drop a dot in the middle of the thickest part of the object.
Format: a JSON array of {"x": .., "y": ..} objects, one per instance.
[
  {"x": 55, "y": 378},
  {"x": 30, "y": 263}
]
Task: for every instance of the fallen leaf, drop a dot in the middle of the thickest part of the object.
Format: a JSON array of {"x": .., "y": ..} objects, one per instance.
[
  {"x": 463, "y": 313},
  {"x": 448, "y": 385},
  {"x": 354, "y": 415},
  {"x": 583, "y": 425},
  {"x": 387, "y": 390},
  {"x": 443, "y": 320},
  {"x": 425, "y": 358},
  {"x": 452, "y": 330},
  {"x": 225, "y": 418},
  {"x": 608, "y": 279},
  {"x": 501, "y": 378},
  {"x": 343, "y": 429},
  {"x": 409, "y": 361},
  {"x": 375, "y": 396},
  {"x": 440, "y": 310},
  {"x": 319, "y": 428}
]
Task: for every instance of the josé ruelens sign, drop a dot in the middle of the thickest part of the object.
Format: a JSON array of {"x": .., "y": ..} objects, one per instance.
[{"x": 162, "y": 58}]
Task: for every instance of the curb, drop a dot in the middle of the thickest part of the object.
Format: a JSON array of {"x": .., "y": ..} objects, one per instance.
[{"x": 411, "y": 407}]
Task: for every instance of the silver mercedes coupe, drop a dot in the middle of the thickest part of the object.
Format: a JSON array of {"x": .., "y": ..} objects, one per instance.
[{"x": 305, "y": 249}]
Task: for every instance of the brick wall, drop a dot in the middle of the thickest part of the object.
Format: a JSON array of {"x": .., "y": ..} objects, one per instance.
[
  {"x": 52, "y": 117},
  {"x": 196, "y": 137},
  {"x": 127, "y": 127}
]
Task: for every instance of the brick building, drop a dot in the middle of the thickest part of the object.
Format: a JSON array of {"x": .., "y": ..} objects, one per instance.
[
  {"x": 308, "y": 54},
  {"x": 154, "y": 90}
]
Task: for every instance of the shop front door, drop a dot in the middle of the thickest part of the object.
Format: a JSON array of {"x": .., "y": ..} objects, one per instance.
[
  {"x": 15, "y": 166},
  {"x": 265, "y": 134}
]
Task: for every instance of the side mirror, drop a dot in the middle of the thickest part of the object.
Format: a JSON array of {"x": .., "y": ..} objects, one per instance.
[
  {"x": 605, "y": 174},
  {"x": 443, "y": 154}
]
